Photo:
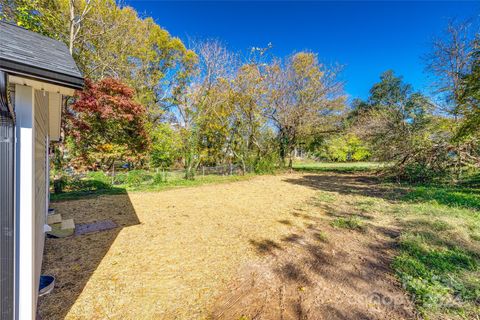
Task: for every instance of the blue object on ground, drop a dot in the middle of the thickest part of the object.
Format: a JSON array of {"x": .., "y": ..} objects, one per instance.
[{"x": 46, "y": 285}]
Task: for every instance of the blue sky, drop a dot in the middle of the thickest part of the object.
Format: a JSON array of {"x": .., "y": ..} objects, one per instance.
[{"x": 366, "y": 37}]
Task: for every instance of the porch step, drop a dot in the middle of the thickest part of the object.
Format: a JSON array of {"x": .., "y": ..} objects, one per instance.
[
  {"x": 63, "y": 229},
  {"x": 68, "y": 224},
  {"x": 54, "y": 218}
]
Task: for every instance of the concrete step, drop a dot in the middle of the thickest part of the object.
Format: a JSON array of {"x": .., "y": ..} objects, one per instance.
[
  {"x": 63, "y": 229},
  {"x": 68, "y": 224},
  {"x": 54, "y": 218}
]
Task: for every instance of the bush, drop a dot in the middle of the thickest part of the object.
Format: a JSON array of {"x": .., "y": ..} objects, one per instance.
[
  {"x": 344, "y": 148},
  {"x": 99, "y": 176},
  {"x": 92, "y": 182},
  {"x": 160, "y": 177},
  {"x": 137, "y": 177}
]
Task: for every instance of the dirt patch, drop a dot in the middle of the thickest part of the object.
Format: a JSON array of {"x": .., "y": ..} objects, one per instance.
[
  {"x": 262, "y": 248},
  {"x": 323, "y": 273}
]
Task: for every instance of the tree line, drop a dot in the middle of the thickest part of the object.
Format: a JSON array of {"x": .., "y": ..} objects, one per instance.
[{"x": 152, "y": 102}]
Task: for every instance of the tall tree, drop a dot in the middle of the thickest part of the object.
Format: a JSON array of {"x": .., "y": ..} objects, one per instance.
[
  {"x": 303, "y": 97},
  {"x": 449, "y": 59}
]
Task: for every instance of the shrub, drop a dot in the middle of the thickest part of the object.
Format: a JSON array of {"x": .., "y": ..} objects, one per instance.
[
  {"x": 137, "y": 177},
  {"x": 160, "y": 177},
  {"x": 265, "y": 165}
]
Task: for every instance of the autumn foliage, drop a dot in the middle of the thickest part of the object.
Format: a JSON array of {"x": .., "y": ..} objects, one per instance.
[{"x": 105, "y": 124}]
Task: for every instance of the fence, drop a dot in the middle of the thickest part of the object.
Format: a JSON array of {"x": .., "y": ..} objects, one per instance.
[{"x": 95, "y": 180}]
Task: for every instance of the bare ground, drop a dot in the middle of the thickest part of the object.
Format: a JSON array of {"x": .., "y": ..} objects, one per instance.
[{"x": 257, "y": 249}]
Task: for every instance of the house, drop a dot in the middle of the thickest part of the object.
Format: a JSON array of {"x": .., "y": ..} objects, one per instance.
[{"x": 36, "y": 72}]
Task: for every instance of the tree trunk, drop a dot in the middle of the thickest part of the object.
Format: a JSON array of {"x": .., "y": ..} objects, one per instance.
[{"x": 72, "y": 26}]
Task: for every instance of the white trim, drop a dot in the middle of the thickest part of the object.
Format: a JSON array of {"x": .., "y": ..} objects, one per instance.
[
  {"x": 54, "y": 116},
  {"x": 25, "y": 206},
  {"x": 41, "y": 85}
]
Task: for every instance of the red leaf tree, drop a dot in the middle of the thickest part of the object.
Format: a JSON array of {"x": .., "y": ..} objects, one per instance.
[{"x": 105, "y": 124}]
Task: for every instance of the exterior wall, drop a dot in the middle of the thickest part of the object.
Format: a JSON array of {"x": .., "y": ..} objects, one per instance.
[
  {"x": 54, "y": 116},
  {"x": 40, "y": 129},
  {"x": 7, "y": 216},
  {"x": 24, "y": 206},
  {"x": 31, "y": 108}
]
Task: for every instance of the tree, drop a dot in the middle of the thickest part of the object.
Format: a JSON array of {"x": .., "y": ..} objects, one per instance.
[
  {"x": 469, "y": 96},
  {"x": 41, "y": 16},
  {"x": 115, "y": 42},
  {"x": 400, "y": 126},
  {"x": 106, "y": 124},
  {"x": 201, "y": 105},
  {"x": 449, "y": 59},
  {"x": 247, "y": 121},
  {"x": 303, "y": 97},
  {"x": 165, "y": 146},
  {"x": 78, "y": 10},
  {"x": 345, "y": 147}
]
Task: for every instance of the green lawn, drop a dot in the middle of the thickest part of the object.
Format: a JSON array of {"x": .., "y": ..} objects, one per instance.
[
  {"x": 438, "y": 260},
  {"x": 337, "y": 166},
  {"x": 95, "y": 186}
]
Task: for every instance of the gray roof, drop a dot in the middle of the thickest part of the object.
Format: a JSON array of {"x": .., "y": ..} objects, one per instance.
[{"x": 36, "y": 56}]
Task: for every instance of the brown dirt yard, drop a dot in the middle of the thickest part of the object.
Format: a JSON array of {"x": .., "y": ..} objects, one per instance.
[{"x": 264, "y": 248}]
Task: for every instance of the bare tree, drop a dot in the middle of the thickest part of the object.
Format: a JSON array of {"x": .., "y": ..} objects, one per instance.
[
  {"x": 75, "y": 20},
  {"x": 449, "y": 60}
]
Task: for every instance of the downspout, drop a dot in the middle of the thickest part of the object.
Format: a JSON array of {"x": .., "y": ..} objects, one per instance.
[{"x": 7, "y": 202}]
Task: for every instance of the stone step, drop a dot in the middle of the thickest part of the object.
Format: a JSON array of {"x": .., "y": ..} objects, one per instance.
[
  {"x": 63, "y": 229},
  {"x": 54, "y": 218},
  {"x": 68, "y": 224}
]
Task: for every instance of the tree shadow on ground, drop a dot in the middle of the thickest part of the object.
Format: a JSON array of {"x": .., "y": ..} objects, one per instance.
[
  {"x": 348, "y": 184},
  {"x": 309, "y": 275},
  {"x": 73, "y": 260},
  {"x": 366, "y": 184}
]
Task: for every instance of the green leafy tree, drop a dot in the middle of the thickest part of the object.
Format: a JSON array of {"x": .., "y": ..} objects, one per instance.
[
  {"x": 165, "y": 146},
  {"x": 303, "y": 98},
  {"x": 400, "y": 126},
  {"x": 346, "y": 147},
  {"x": 41, "y": 16},
  {"x": 469, "y": 96}
]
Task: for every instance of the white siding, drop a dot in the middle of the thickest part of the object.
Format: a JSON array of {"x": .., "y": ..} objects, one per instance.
[
  {"x": 54, "y": 116},
  {"x": 40, "y": 166},
  {"x": 25, "y": 293},
  {"x": 31, "y": 107}
]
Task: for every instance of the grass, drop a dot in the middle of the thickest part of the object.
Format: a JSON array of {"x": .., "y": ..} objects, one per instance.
[
  {"x": 351, "y": 223},
  {"x": 173, "y": 251},
  {"x": 177, "y": 182},
  {"x": 439, "y": 257},
  {"x": 450, "y": 196},
  {"x": 341, "y": 167},
  {"x": 437, "y": 252}
]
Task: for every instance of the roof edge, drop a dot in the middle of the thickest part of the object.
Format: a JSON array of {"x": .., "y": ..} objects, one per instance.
[{"x": 41, "y": 74}]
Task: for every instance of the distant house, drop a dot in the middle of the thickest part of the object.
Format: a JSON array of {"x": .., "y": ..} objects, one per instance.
[{"x": 35, "y": 73}]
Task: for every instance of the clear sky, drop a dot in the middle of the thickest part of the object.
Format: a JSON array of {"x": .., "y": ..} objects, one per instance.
[{"x": 366, "y": 37}]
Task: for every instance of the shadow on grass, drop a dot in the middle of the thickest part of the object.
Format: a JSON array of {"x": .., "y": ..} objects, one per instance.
[
  {"x": 72, "y": 195},
  {"x": 450, "y": 196},
  {"x": 73, "y": 260},
  {"x": 334, "y": 169},
  {"x": 435, "y": 262},
  {"x": 368, "y": 185}
]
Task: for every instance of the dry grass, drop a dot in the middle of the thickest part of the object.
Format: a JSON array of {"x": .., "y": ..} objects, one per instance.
[
  {"x": 295, "y": 246},
  {"x": 175, "y": 252}
]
